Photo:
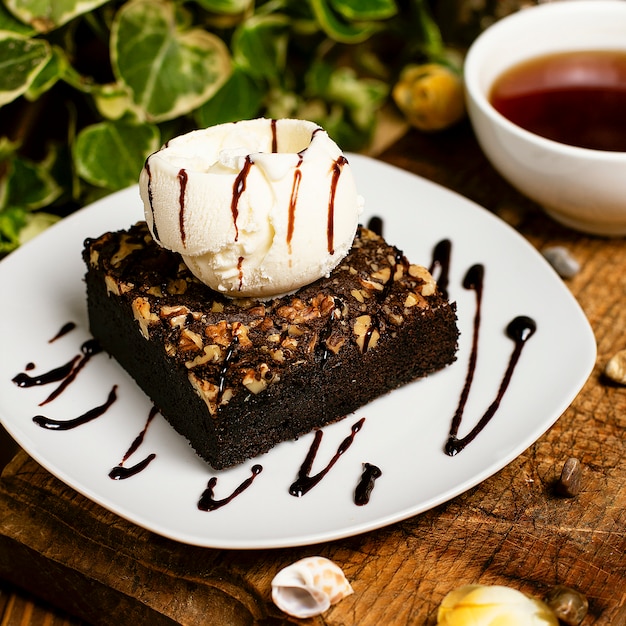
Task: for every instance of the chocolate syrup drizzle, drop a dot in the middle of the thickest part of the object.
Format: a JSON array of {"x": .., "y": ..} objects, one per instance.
[
  {"x": 365, "y": 486},
  {"x": 65, "y": 373},
  {"x": 66, "y": 328},
  {"x": 304, "y": 482},
  {"x": 239, "y": 186},
  {"x": 150, "y": 198},
  {"x": 375, "y": 224},
  {"x": 207, "y": 500},
  {"x": 293, "y": 199},
  {"x": 52, "y": 424},
  {"x": 441, "y": 264},
  {"x": 121, "y": 472},
  {"x": 330, "y": 228},
  {"x": 182, "y": 178},
  {"x": 274, "y": 136},
  {"x": 228, "y": 358},
  {"x": 520, "y": 329}
]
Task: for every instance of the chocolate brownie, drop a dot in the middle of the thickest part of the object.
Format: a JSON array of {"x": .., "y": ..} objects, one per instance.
[{"x": 238, "y": 376}]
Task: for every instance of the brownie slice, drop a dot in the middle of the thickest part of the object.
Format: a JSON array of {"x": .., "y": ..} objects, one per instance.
[{"x": 238, "y": 376}]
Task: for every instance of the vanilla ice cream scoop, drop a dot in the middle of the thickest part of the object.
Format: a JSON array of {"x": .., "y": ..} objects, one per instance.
[{"x": 256, "y": 208}]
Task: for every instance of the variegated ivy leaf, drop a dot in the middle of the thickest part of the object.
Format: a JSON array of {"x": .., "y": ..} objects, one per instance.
[
  {"x": 365, "y": 9},
  {"x": 114, "y": 101},
  {"x": 47, "y": 15},
  {"x": 260, "y": 45},
  {"x": 111, "y": 154},
  {"x": 240, "y": 98},
  {"x": 338, "y": 28},
  {"x": 52, "y": 71},
  {"x": 10, "y": 24},
  {"x": 29, "y": 185},
  {"x": 21, "y": 59},
  {"x": 230, "y": 7},
  {"x": 169, "y": 71}
]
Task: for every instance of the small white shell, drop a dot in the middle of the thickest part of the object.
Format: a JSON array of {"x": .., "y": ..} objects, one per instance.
[
  {"x": 309, "y": 587},
  {"x": 616, "y": 368}
]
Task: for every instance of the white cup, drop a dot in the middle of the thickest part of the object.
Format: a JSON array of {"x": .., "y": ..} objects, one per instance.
[{"x": 581, "y": 188}]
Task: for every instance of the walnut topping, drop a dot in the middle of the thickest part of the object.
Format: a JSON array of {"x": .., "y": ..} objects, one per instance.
[
  {"x": 370, "y": 284},
  {"x": 383, "y": 275},
  {"x": 430, "y": 285},
  {"x": 112, "y": 285},
  {"x": 206, "y": 390},
  {"x": 143, "y": 315},
  {"x": 415, "y": 299},
  {"x": 176, "y": 315},
  {"x": 257, "y": 381},
  {"x": 126, "y": 248},
  {"x": 411, "y": 300},
  {"x": 359, "y": 294},
  {"x": 189, "y": 340},
  {"x": 219, "y": 333},
  {"x": 335, "y": 342},
  {"x": 176, "y": 286},
  {"x": 278, "y": 355},
  {"x": 394, "y": 318},
  {"x": 94, "y": 257},
  {"x": 299, "y": 312},
  {"x": 210, "y": 354},
  {"x": 367, "y": 336}
]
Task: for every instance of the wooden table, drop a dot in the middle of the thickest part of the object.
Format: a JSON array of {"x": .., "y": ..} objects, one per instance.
[{"x": 511, "y": 529}]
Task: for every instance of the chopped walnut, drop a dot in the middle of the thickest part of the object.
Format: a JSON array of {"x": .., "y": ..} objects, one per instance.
[
  {"x": 366, "y": 335},
  {"x": 383, "y": 275},
  {"x": 143, "y": 315},
  {"x": 210, "y": 354},
  {"x": 176, "y": 286},
  {"x": 126, "y": 248},
  {"x": 189, "y": 340},
  {"x": 430, "y": 285},
  {"x": 206, "y": 390}
]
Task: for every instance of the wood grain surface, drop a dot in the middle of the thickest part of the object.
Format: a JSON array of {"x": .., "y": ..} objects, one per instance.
[{"x": 512, "y": 529}]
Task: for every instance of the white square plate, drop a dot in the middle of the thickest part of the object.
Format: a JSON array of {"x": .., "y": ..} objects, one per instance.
[{"x": 404, "y": 433}]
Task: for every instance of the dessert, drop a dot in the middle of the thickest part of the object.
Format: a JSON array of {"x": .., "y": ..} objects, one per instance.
[{"x": 237, "y": 375}]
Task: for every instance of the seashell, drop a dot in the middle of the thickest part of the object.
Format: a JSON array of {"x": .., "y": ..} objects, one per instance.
[
  {"x": 491, "y": 605},
  {"x": 565, "y": 265},
  {"x": 615, "y": 369},
  {"x": 309, "y": 587}
]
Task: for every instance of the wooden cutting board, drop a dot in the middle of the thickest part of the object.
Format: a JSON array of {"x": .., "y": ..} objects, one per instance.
[{"x": 512, "y": 529}]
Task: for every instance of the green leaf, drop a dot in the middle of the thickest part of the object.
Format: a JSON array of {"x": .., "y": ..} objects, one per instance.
[
  {"x": 21, "y": 60},
  {"x": 114, "y": 101},
  {"x": 230, "y": 7},
  {"x": 239, "y": 98},
  {"x": 10, "y": 24},
  {"x": 337, "y": 28},
  {"x": 30, "y": 185},
  {"x": 111, "y": 154},
  {"x": 47, "y": 15},
  {"x": 260, "y": 45},
  {"x": 365, "y": 9},
  {"x": 168, "y": 71},
  {"x": 360, "y": 96},
  {"x": 12, "y": 220},
  {"x": 52, "y": 71}
]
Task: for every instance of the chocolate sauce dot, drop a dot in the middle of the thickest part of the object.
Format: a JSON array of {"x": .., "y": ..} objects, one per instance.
[
  {"x": 364, "y": 489},
  {"x": 521, "y": 328}
]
